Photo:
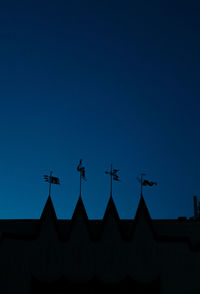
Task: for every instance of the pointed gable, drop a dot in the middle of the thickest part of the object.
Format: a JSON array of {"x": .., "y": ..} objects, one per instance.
[
  {"x": 143, "y": 244},
  {"x": 111, "y": 211},
  {"x": 79, "y": 211},
  {"x": 111, "y": 222},
  {"x": 47, "y": 245},
  {"x": 110, "y": 255},
  {"x": 79, "y": 223},
  {"x": 79, "y": 246},
  {"x": 48, "y": 219},
  {"x": 48, "y": 211},
  {"x": 143, "y": 225},
  {"x": 142, "y": 210}
]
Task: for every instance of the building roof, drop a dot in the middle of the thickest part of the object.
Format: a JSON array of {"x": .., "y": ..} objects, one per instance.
[{"x": 171, "y": 230}]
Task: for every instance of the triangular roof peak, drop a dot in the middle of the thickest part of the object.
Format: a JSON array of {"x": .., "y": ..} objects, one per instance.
[
  {"x": 48, "y": 222},
  {"x": 79, "y": 225},
  {"x": 79, "y": 210},
  {"x": 142, "y": 226},
  {"x": 142, "y": 209},
  {"x": 111, "y": 210},
  {"x": 111, "y": 229},
  {"x": 48, "y": 211}
]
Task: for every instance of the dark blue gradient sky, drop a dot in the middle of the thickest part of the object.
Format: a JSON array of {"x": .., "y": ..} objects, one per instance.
[{"x": 103, "y": 81}]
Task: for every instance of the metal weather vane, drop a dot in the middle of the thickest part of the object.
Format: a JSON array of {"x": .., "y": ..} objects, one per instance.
[
  {"x": 113, "y": 176},
  {"x": 144, "y": 182},
  {"x": 51, "y": 180},
  {"x": 81, "y": 169}
]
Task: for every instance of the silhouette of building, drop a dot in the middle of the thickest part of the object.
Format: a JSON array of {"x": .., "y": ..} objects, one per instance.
[{"x": 139, "y": 255}]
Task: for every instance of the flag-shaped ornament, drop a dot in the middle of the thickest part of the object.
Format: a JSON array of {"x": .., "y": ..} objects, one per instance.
[
  {"x": 81, "y": 169},
  {"x": 52, "y": 180},
  {"x": 113, "y": 176},
  {"x": 148, "y": 183}
]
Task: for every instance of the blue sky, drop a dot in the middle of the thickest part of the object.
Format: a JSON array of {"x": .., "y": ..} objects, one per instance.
[{"x": 106, "y": 81}]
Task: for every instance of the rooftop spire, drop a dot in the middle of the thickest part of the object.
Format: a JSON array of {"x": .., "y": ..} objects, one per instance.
[
  {"x": 144, "y": 182},
  {"x": 48, "y": 211},
  {"x": 113, "y": 176},
  {"x": 81, "y": 169}
]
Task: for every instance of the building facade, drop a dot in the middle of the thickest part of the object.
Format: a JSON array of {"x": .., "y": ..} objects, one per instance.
[{"x": 49, "y": 255}]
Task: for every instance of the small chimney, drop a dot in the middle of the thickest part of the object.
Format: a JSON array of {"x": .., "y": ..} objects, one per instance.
[{"x": 196, "y": 214}]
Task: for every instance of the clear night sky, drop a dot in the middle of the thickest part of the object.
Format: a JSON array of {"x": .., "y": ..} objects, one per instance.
[{"x": 106, "y": 81}]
